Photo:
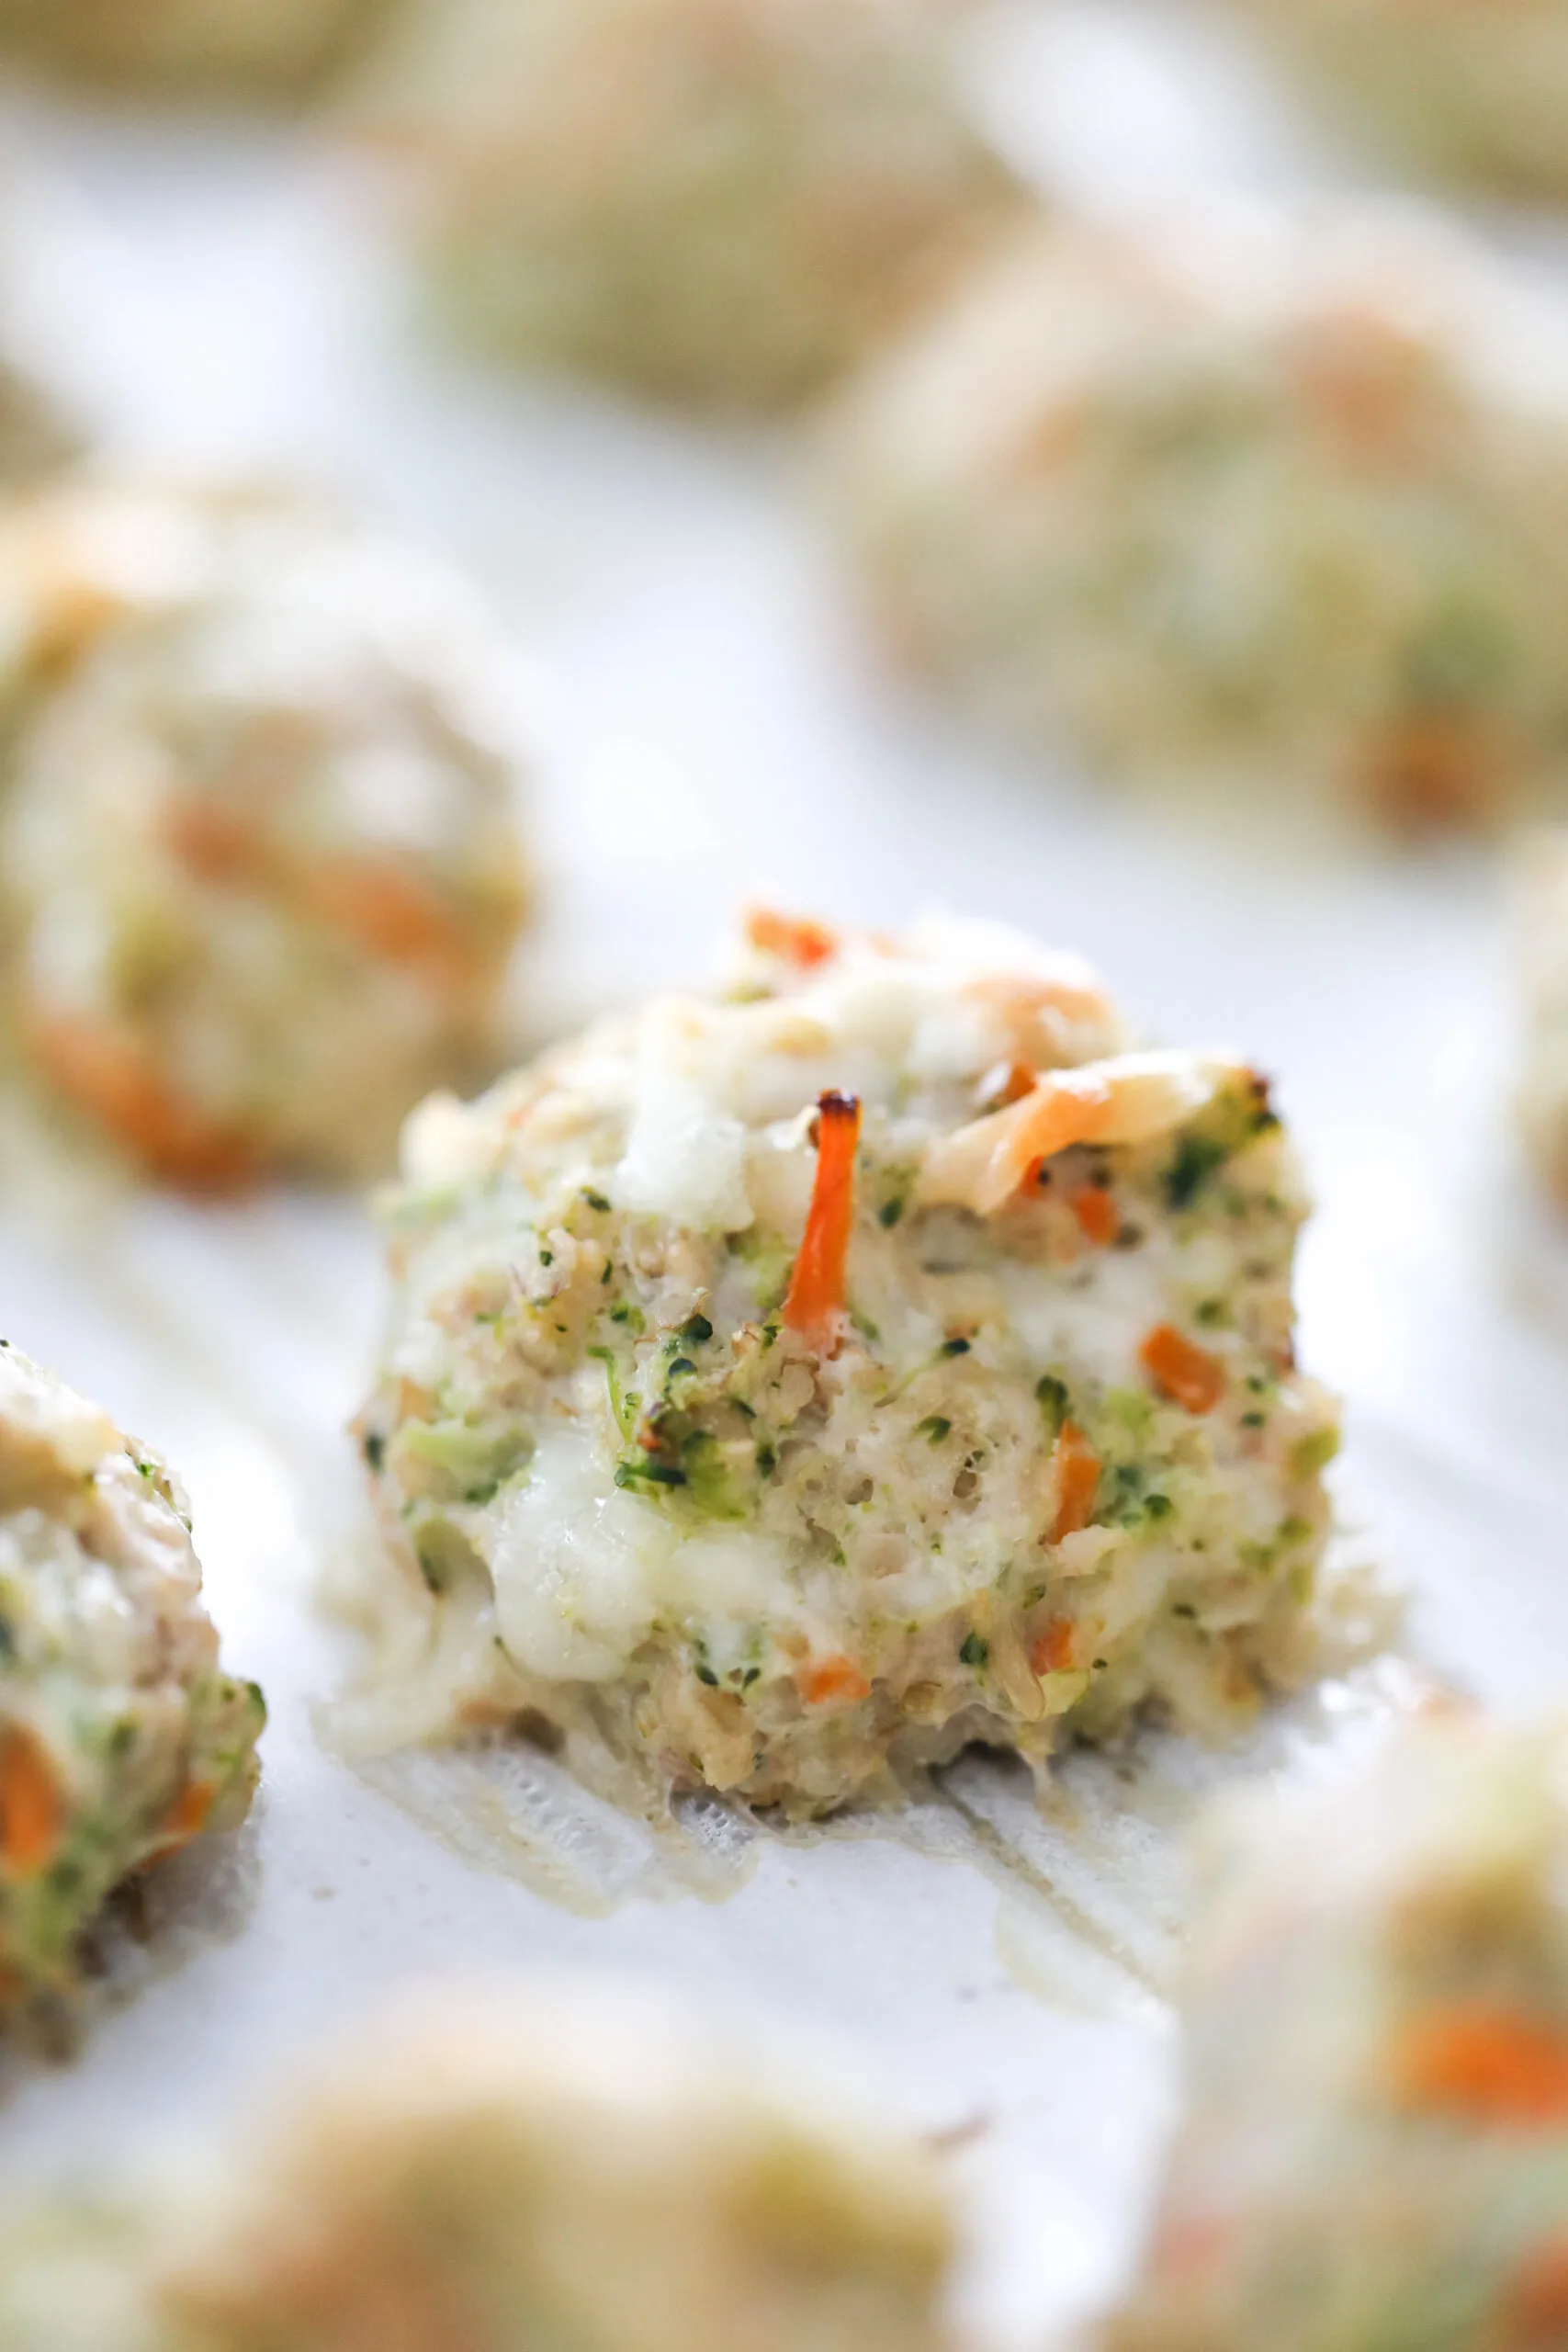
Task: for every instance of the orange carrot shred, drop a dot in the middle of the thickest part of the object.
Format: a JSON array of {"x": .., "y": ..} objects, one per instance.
[
  {"x": 187, "y": 1814},
  {"x": 1490, "y": 2066},
  {"x": 30, "y": 1805},
  {"x": 112, "y": 1079},
  {"x": 1007, "y": 1082},
  {"x": 827, "y": 1679},
  {"x": 1187, "y": 1374},
  {"x": 211, "y": 841},
  {"x": 1078, "y": 1481},
  {"x": 395, "y": 914},
  {"x": 791, "y": 936},
  {"x": 1096, "y": 1213},
  {"x": 1536, "y": 2312},
  {"x": 1052, "y": 1651},
  {"x": 814, "y": 1308}
]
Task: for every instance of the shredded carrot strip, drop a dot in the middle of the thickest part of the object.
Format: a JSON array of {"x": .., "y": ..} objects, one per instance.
[
  {"x": 1052, "y": 1651},
  {"x": 393, "y": 913},
  {"x": 211, "y": 841},
  {"x": 1426, "y": 772},
  {"x": 1096, "y": 1213},
  {"x": 791, "y": 936},
  {"x": 187, "y": 1815},
  {"x": 109, "y": 1078},
  {"x": 1536, "y": 2312},
  {"x": 815, "y": 1306},
  {"x": 30, "y": 1805},
  {"x": 1078, "y": 1480},
  {"x": 1185, "y": 2251},
  {"x": 1187, "y": 1374},
  {"x": 383, "y": 907},
  {"x": 1490, "y": 2066},
  {"x": 1006, "y": 1083},
  {"x": 828, "y": 1678}
]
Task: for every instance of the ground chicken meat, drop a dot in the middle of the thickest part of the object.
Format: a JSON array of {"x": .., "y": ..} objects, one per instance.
[
  {"x": 1375, "y": 2149},
  {"x": 120, "y": 1737},
  {"x": 717, "y": 201},
  {"x": 503, "y": 2175},
  {"x": 874, "y": 1358},
  {"x": 261, "y": 850},
  {"x": 1270, "y": 504}
]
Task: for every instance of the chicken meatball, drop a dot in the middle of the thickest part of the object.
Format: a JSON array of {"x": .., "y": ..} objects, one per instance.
[
  {"x": 803, "y": 1381},
  {"x": 262, "y": 850},
  {"x": 37, "y": 435},
  {"x": 503, "y": 2173},
  {"x": 1375, "y": 2149},
  {"x": 717, "y": 201},
  {"x": 1455, "y": 86},
  {"x": 244, "y": 47},
  {"x": 121, "y": 1738},
  {"x": 1542, "y": 899},
  {"x": 1273, "y": 504}
]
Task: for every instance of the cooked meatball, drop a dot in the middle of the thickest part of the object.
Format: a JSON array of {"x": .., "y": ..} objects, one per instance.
[
  {"x": 490, "y": 2175},
  {"x": 37, "y": 436},
  {"x": 1543, "y": 870},
  {"x": 120, "y": 1737},
  {"x": 880, "y": 1356},
  {"x": 1276, "y": 504},
  {"x": 262, "y": 851},
  {"x": 717, "y": 201},
  {"x": 237, "y": 47},
  {"x": 1455, "y": 86},
  {"x": 1375, "y": 2149}
]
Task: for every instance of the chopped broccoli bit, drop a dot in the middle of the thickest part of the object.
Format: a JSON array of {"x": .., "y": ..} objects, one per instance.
[
  {"x": 1055, "y": 1401},
  {"x": 648, "y": 1473},
  {"x": 976, "y": 1650},
  {"x": 1314, "y": 1452},
  {"x": 1197, "y": 1158},
  {"x": 934, "y": 1428}
]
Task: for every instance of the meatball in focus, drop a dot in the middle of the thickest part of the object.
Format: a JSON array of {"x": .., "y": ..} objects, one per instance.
[{"x": 790, "y": 1386}]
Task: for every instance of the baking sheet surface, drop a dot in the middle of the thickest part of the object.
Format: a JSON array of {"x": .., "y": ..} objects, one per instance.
[{"x": 716, "y": 730}]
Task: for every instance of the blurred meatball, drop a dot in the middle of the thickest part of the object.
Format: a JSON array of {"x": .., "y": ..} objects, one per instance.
[
  {"x": 482, "y": 2174},
  {"x": 1462, "y": 87},
  {"x": 717, "y": 201},
  {"x": 37, "y": 436},
  {"x": 120, "y": 1737},
  {"x": 245, "y": 47},
  {"x": 262, "y": 850},
  {"x": 1541, "y": 898},
  {"x": 806, "y": 1380},
  {"x": 1375, "y": 2148},
  {"x": 1277, "y": 504}
]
